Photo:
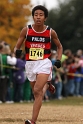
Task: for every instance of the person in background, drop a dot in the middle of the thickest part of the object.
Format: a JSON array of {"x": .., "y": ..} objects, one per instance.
[
  {"x": 53, "y": 59},
  {"x": 19, "y": 78},
  {"x": 77, "y": 79},
  {"x": 64, "y": 78},
  {"x": 71, "y": 70},
  {"x": 56, "y": 80},
  {"x": 5, "y": 61},
  {"x": 80, "y": 65},
  {"x": 38, "y": 66},
  {"x": 27, "y": 92}
]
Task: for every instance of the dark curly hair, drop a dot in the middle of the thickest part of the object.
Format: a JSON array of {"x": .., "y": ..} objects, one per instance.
[{"x": 40, "y": 7}]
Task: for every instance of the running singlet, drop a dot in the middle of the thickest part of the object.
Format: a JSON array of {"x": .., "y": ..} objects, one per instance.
[{"x": 37, "y": 44}]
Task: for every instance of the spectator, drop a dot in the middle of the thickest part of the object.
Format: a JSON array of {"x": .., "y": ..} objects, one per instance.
[
  {"x": 19, "y": 79},
  {"x": 64, "y": 71},
  {"x": 27, "y": 94},
  {"x": 71, "y": 70},
  {"x": 80, "y": 64},
  {"x": 5, "y": 61},
  {"x": 56, "y": 78},
  {"x": 77, "y": 79},
  {"x": 58, "y": 84}
]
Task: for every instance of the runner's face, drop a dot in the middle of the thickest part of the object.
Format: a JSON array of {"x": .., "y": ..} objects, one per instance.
[{"x": 39, "y": 17}]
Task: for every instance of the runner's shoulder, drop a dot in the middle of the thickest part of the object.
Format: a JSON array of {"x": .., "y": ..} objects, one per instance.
[{"x": 24, "y": 31}]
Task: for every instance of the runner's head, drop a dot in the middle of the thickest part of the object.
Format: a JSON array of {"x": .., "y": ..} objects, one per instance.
[{"x": 40, "y": 7}]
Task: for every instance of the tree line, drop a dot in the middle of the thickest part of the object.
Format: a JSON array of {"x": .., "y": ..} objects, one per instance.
[{"x": 66, "y": 20}]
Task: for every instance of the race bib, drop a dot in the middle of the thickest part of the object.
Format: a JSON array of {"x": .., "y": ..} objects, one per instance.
[{"x": 36, "y": 53}]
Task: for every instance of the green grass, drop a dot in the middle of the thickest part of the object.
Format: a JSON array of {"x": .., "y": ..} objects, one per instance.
[
  {"x": 67, "y": 101},
  {"x": 64, "y": 101}
]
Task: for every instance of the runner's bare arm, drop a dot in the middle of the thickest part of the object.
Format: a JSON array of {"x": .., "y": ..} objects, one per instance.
[
  {"x": 55, "y": 39},
  {"x": 20, "y": 39}
]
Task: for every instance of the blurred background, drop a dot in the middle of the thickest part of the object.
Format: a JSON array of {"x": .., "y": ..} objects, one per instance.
[{"x": 65, "y": 17}]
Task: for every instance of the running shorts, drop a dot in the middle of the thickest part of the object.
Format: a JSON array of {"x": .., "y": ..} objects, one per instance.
[{"x": 33, "y": 68}]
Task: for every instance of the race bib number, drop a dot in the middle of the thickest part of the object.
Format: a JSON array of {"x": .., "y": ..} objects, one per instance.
[{"x": 36, "y": 53}]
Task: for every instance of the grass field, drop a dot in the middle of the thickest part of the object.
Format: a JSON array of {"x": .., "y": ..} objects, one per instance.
[{"x": 65, "y": 111}]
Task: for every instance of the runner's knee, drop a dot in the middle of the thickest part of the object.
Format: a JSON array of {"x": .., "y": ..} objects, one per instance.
[{"x": 37, "y": 92}]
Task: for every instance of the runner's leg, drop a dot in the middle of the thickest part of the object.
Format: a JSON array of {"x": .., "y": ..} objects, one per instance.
[{"x": 38, "y": 94}]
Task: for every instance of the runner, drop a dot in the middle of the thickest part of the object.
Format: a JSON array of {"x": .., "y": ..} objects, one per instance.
[{"x": 38, "y": 66}]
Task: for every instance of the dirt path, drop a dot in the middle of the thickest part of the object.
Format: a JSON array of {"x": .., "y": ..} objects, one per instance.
[{"x": 49, "y": 114}]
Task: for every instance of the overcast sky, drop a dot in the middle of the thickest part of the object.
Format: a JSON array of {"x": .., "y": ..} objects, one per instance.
[{"x": 49, "y": 3}]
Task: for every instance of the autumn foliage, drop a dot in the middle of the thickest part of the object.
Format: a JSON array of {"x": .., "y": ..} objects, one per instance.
[{"x": 14, "y": 15}]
